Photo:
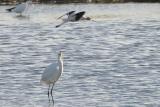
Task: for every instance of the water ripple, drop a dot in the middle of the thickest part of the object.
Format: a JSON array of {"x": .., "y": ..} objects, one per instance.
[{"x": 113, "y": 62}]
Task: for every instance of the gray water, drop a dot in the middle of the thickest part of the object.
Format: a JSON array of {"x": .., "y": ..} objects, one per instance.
[{"x": 113, "y": 61}]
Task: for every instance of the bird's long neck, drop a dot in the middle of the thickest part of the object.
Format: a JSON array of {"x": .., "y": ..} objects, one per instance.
[{"x": 60, "y": 61}]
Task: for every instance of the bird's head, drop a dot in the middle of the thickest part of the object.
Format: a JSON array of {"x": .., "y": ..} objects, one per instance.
[
  {"x": 60, "y": 55},
  {"x": 88, "y": 18}
]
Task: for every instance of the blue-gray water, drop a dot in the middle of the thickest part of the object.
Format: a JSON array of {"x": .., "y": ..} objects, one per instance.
[{"x": 113, "y": 62}]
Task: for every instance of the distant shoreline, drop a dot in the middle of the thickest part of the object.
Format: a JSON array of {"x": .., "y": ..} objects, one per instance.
[{"x": 86, "y": 2}]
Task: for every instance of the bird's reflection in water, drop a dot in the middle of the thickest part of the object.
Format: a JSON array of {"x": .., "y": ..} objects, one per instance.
[{"x": 50, "y": 104}]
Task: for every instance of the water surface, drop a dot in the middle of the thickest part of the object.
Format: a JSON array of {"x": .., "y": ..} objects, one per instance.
[{"x": 113, "y": 62}]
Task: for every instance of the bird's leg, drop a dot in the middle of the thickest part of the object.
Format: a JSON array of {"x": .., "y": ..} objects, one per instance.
[
  {"x": 52, "y": 94},
  {"x": 48, "y": 93}
]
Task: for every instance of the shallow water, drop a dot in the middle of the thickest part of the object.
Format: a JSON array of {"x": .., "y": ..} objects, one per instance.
[{"x": 113, "y": 61}]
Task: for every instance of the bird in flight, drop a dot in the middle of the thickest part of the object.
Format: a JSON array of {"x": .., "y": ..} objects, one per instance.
[
  {"x": 51, "y": 74},
  {"x": 73, "y": 17}
]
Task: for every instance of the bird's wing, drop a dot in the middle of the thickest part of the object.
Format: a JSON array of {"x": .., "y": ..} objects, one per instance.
[
  {"x": 68, "y": 13},
  {"x": 65, "y": 21},
  {"x": 79, "y": 15},
  {"x": 50, "y": 72},
  {"x": 10, "y": 9}
]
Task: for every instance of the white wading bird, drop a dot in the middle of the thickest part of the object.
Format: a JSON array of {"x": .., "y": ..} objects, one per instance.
[
  {"x": 52, "y": 74},
  {"x": 20, "y": 8},
  {"x": 73, "y": 17}
]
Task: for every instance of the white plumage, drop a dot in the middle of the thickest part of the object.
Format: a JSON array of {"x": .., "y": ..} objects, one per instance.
[
  {"x": 20, "y": 8},
  {"x": 52, "y": 73}
]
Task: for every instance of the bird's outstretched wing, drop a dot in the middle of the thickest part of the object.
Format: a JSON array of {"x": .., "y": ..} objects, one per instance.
[
  {"x": 69, "y": 13},
  {"x": 10, "y": 9},
  {"x": 61, "y": 24},
  {"x": 79, "y": 15}
]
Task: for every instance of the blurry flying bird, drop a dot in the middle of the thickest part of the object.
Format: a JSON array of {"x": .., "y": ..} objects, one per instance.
[{"x": 73, "y": 17}]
